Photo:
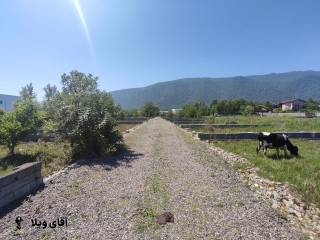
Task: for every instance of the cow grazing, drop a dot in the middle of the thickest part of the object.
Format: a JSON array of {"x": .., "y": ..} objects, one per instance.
[{"x": 277, "y": 141}]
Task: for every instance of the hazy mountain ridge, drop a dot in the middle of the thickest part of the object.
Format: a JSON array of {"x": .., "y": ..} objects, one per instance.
[{"x": 270, "y": 87}]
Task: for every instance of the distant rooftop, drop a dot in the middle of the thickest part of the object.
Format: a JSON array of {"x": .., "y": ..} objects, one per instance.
[
  {"x": 292, "y": 100},
  {"x": 7, "y": 95}
]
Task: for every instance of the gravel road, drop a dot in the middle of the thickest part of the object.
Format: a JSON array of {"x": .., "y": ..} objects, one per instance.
[{"x": 163, "y": 170}]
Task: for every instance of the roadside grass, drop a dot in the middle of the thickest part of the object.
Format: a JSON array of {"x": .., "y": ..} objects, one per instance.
[
  {"x": 276, "y": 124},
  {"x": 52, "y": 155},
  {"x": 302, "y": 172},
  {"x": 152, "y": 204},
  {"x": 124, "y": 127}
]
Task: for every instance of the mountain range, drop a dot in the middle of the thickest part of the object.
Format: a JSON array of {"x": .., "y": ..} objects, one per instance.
[{"x": 270, "y": 87}]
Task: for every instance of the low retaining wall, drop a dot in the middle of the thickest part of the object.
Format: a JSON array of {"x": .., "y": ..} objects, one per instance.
[
  {"x": 254, "y": 135},
  {"x": 222, "y": 125},
  {"x": 20, "y": 183},
  {"x": 130, "y": 121},
  {"x": 188, "y": 122},
  {"x": 294, "y": 114}
]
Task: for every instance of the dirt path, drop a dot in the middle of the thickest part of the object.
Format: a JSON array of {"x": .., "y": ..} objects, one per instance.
[{"x": 164, "y": 169}]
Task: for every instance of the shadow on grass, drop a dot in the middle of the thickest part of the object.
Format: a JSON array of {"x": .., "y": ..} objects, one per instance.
[
  {"x": 16, "y": 160},
  {"x": 281, "y": 157}
]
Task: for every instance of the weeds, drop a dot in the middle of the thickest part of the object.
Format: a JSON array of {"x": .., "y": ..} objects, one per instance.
[{"x": 52, "y": 155}]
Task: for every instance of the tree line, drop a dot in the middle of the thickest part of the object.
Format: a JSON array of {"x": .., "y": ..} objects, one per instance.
[{"x": 236, "y": 107}]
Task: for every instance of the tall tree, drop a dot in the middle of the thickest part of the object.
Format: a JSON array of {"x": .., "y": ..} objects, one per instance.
[
  {"x": 50, "y": 92},
  {"x": 27, "y": 92}
]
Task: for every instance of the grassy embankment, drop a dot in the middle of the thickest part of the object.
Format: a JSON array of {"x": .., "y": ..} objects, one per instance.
[{"x": 303, "y": 172}]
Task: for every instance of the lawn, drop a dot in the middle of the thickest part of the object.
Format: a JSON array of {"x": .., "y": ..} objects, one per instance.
[
  {"x": 303, "y": 172},
  {"x": 52, "y": 155},
  {"x": 276, "y": 124}
]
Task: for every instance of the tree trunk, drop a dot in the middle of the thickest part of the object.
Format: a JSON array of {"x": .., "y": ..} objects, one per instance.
[{"x": 11, "y": 149}]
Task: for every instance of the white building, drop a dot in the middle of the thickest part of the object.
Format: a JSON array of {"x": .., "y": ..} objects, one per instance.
[
  {"x": 7, "y": 102},
  {"x": 293, "y": 104}
]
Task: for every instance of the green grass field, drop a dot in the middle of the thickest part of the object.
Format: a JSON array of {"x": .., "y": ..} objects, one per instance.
[
  {"x": 276, "y": 124},
  {"x": 52, "y": 155},
  {"x": 303, "y": 172}
]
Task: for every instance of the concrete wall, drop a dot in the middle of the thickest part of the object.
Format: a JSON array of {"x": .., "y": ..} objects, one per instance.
[
  {"x": 222, "y": 125},
  {"x": 130, "y": 121},
  {"x": 20, "y": 183},
  {"x": 254, "y": 135},
  {"x": 294, "y": 114}
]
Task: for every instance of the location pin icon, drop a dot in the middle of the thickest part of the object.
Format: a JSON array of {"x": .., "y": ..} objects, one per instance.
[{"x": 18, "y": 222}]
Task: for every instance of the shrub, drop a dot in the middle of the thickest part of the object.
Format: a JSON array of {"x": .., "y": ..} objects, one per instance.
[{"x": 86, "y": 115}]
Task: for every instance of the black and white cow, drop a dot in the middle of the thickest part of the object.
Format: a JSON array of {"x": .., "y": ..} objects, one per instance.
[{"x": 277, "y": 141}]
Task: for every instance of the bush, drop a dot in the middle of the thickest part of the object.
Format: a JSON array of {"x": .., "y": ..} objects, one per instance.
[
  {"x": 86, "y": 115},
  {"x": 27, "y": 113}
]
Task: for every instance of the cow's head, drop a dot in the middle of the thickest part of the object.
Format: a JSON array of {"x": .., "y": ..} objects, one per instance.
[{"x": 294, "y": 151}]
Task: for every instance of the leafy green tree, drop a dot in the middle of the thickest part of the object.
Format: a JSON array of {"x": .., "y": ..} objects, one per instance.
[
  {"x": 248, "y": 110},
  {"x": 86, "y": 115},
  {"x": 27, "y": 110},
  {"x": 50, "y": 92},
  {"x": 27, "y": 92},
  {"x": 150, "y": 110},
  {"x": 50, "y": 107},
  {"x": 10, "y": 131},
  {"x": 195, "y": 110},
  {"x": 26, "y": 118},
  {"x": 312, "y": 105},
  {"x": 230, "y": 107}
]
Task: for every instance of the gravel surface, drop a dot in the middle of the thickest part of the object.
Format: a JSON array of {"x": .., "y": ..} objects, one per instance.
[{"x": 163, "y": 170}]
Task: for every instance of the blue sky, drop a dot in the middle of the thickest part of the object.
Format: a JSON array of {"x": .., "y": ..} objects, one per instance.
[{"x": 134, "y": 43}]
